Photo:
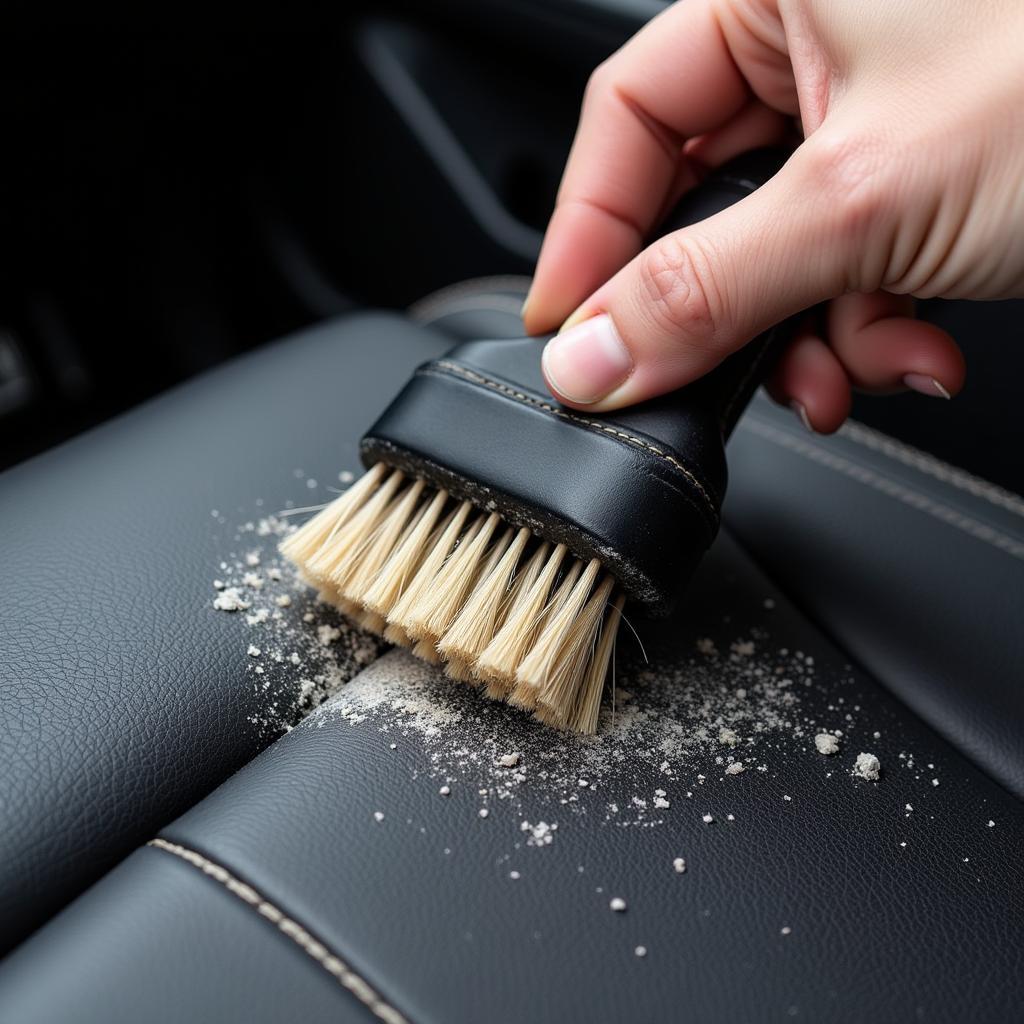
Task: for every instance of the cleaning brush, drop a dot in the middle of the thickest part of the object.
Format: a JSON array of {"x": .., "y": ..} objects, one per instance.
[{"x": 499, "y": 534}]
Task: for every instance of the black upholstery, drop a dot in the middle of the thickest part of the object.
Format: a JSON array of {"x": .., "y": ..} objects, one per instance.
[
  {"x": 914, "y": 568},
  {"x": 169, "y": 949},
  {"x": 879, "y": 931},
  {"x": 124, "y": 696}
]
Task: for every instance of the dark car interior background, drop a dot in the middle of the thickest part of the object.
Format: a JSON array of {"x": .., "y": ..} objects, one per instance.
[{"x": 180, "y": 197}]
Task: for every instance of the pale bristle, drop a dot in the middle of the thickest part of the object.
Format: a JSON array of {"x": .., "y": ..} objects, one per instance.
[
  {"x": 588, "y": 706},
  {"x": 428, "y": 569},
  {"x": 355, "y": 577},
  {"x": 308, "y": 539},
  {"x": 526, "y": 621},
  {"x": 558, "y": 689},
  {"x": 345, "y": 542},
  {"x": 475, "y": 625},
  {"x": 568, "y": 599},
  {"x": 372, "y": 622},
  {"x": 492, "y": 672},
  {"x": 501, "y": 657},
  {"x": 387, "y": 588},
  {"x": 460, "y": 671},
  {"x": 439, "y": 605},
  {"x": 426, "y": 650},
  {"x": 394, "y": 634}
]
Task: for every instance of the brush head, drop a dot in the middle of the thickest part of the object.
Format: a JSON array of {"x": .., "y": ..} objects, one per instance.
[{"x": 500, "y": 609}]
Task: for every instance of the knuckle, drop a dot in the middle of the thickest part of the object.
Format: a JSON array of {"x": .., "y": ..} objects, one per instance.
[
  {"x": 676, "y": 286},
  {"x": 849, "y": 173},
  {"x": 598, "y": 83}
]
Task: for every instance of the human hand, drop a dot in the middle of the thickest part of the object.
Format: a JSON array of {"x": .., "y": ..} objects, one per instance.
[{"x": 909, "y": 182}]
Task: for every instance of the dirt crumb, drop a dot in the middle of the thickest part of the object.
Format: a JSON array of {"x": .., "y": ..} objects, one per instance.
[
  {"x": 826, "y": 743},
  {"x": 867, "y": 766}
]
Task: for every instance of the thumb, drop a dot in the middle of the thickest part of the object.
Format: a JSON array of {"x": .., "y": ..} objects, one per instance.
[{"x": 696, "y": 295}]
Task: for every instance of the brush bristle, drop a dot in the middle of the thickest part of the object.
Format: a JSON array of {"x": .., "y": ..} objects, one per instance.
[{"x": 525, "y": 621}]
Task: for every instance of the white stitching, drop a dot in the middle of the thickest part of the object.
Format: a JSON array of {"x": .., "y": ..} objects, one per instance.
[
  {"x": 640, "y": 442},
  {"x": 330, "y": 962},
  {"x": 932, "y": 466},
  {"x": 980, "y": 531}
]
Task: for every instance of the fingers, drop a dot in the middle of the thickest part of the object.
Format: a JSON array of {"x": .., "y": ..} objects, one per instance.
[
  {"x": 874, "y": 344},
  {"x": 883, "y": 348},
  {"x": 673, "y": 80},
  {"x": 675, "y": 311},
  {"x": 754, "y": 126},
  {"x": 811, "y": 381}
]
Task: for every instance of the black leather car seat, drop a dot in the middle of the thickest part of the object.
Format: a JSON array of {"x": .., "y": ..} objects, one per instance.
[{"x": 280, "y": 897}]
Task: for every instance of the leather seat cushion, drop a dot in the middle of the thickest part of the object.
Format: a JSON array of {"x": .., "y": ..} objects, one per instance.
[
  {"x": 126, "y": 697},
  {"x": 421, "y": 908}
]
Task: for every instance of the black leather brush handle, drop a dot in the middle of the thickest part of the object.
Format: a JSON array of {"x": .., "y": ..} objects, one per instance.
[{"x": 641, "y": 488}]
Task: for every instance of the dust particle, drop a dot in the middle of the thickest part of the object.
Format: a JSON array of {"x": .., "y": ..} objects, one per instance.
[
  {"x": 826, "y": 743},
  {"x": 868, "y": 767},
  {"x": 327, "y": 634},
  {"x": 618, "y": 904},
  {"x": 230, "y": 600},
  {"x": 679, "y": 865}
]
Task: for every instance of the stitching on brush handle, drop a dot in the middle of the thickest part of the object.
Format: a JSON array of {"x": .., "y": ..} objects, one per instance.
[{"x": 479, "y": 379}]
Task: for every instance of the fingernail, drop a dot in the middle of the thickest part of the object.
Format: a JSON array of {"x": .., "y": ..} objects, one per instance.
[
  {"x": 578, "y": 317},
  {"x": 586, "y": 362},
  {"x": 801, "y": 412},
  {"x": 925, "y": 385}
]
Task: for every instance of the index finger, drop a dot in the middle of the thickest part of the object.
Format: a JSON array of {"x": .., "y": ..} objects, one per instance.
[{"x": 673, "y": 80}]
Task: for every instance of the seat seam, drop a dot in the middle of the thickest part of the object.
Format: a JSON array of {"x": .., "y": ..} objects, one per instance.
[
  {"x": 931, "y": 466},
  {"x": 906, "y": 495},
  {"x": 321, "y": 954},
  {"x": 519, "y": 396}
]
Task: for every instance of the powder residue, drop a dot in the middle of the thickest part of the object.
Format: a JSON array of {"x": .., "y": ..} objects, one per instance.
[
  {"x": 826, "y": 743},
  {"x": 867, "y": 766}
]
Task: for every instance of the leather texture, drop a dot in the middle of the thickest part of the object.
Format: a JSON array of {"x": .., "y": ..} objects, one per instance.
[
  {"x": 170, "y": 945},
  {"x": 421, "y": 907},
  {"x": 879, "y": 931},
  {"x": 125, "y": 697},
  {"x": 914, "y": 567},
  {"x": 664, "y": 456}
]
